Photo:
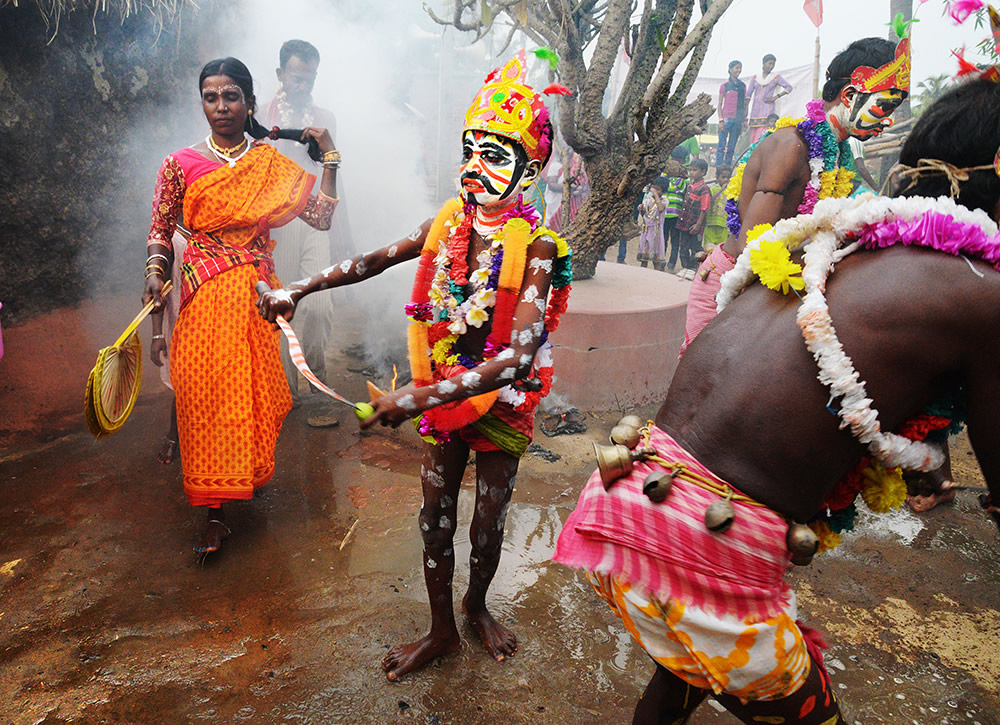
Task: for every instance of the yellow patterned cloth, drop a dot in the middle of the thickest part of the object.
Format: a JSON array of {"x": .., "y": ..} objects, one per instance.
[{"x": 747, "y": 658}]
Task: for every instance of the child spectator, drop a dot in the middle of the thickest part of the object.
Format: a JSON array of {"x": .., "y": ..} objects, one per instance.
[
  {"x": 691, "y": 222},
  {"x": 715, "y": 223},
  {"x": 651, "y": 211}
]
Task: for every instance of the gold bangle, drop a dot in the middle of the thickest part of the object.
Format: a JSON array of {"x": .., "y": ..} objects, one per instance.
[{"x": 332, "y": 156}]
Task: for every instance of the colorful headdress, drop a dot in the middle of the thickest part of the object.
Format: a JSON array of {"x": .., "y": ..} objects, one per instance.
[
  {"x": 508, "y": 107},
  {"x": 894, "y": 74}
]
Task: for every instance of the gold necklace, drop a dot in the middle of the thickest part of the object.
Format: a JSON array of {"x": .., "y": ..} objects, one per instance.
[{"x": 224, "y": 151}]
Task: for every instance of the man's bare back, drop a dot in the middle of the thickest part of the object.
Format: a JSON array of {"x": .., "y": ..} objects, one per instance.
[{"x": 746, "y": 402}]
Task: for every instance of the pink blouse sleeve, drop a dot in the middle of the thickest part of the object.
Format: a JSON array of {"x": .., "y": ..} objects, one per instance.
[
  {"x": 168, "y": 200},
  {"x": 319, "y": 211}
]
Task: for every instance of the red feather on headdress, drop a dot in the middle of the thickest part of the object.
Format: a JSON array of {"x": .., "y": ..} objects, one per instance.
[
  {"x": 964, "y": 66},
  {"x": 557, "y": 89}
]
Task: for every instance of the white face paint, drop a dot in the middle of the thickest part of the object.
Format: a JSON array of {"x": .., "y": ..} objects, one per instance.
[
  {"x": 407, "y": 403},
  {"x": 530, "y": 294},
  {"x": 345, "y": 266},
  {"x": 471, "y": 379},
  {"x": 446, "y": 386},
  {"x": 492, "y": 169},
  {"x": 541, "y": 264}
]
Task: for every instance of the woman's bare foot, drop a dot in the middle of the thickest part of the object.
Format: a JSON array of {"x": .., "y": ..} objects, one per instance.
[
  {"x": 408, "y": 657},
  {"x": 168, "y": 451},
  {"x": 215, "y": 532},
  {"x": 499, "y": 641}
]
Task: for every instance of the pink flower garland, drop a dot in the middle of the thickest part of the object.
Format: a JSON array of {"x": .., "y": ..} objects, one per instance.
[{"x": 934, "y": 230}]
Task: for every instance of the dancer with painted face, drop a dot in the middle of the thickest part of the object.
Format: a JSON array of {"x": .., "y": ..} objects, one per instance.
[
  {"x": 490, "y": 287},
  {"x": 805, "y": 159}
]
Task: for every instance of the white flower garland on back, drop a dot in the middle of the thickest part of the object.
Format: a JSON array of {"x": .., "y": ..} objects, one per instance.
[{"x": 826, "y": 230}]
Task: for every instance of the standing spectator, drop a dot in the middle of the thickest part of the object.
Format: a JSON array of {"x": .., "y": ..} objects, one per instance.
[
  {"x": 301, "y": 250},
  {"x": 691, "y": 223},
  {"x": 762, "y": 92},
  {"x": 676, "y": 188},
  {"x": 715, "y": 223},
  {"x": 732, "y": 113},
  {"x": 651, "y": 211}
]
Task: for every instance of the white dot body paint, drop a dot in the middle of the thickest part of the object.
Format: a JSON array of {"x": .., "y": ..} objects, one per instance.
[
  {"x": 482, "y": 487},
  {"x": 392, "y": 251},
  {"x": 445, "y": 522},
  {"x": 530, "y": 294},
  {"x": 414, "y": 236},
  {"x": 505, "y": 354},
  {"x": 543, "y": 264},
  {"x": 282, "y": 295},
  {"x": 446, "y": 501},
  {"x": 525, "y": 360},
  {"x": 407, "y": 403},
  {"x": 424, "y": 526},
  {"x": 432, "y": 401},
  {"x": 507, "y": 373},
  {"x": 328, "y": 271},
  {"x": 446, "y": 386},
  {"x": 536, "y": 328},
  {"x": 525, "y": 336},
  {"x": 482, "y": 540},
  {"x": 431, "y": 564},
  {"x": 471, "y": 379},
  {"x": 362, "y": 267},
  {"x": 345, "y": 266},
  {"x": 540, "y": 304},
  {"x": 433, "y": 478}
]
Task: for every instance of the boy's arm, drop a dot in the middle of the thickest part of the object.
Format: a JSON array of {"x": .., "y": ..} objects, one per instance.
[
  {"x": 283, "y": 301},
  {"x": 511, "y": 364}
]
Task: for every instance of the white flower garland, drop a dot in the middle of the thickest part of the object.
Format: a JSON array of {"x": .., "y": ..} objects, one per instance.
[{"x": 826, "y": 232}]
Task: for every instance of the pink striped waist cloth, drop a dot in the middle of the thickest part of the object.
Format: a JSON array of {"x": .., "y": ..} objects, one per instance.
[{"x": 666, "y": 549}]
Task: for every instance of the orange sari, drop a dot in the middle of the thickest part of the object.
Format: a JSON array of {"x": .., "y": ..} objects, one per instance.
[{"x": 225, "y": 366}]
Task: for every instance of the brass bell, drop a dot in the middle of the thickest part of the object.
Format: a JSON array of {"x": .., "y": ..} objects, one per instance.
[
  {"x": 802, "y": 543},
  {"x": 614, "y": 462},
  {"x": 657, "y": 485},
  {"x": 625, "y": 435},
  {"x": 720, "y": 515},
  {"x": 633, "y": 421}
]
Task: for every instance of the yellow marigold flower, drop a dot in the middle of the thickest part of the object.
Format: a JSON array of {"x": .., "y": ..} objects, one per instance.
[
  {"x": 843, "y": 186},
  {"x": 735, "y": 183},
  {"x": 442, "y": 347},
  {"x": 827, "y": 180},
  {"x": 758, "y": 231},
  {"x": 786, "y": 121},
  {"x": 883, "y": 489},
  {"x": 773, "y": 264},
  {"x": 828, "y": 538}
]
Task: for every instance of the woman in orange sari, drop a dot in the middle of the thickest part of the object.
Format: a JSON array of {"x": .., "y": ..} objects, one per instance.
[{"x": 225, "y": 366}]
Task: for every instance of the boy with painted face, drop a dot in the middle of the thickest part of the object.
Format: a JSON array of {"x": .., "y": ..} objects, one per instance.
[
  {"x": 490, "y": 287},
  {"x": 805, "y": 160}
]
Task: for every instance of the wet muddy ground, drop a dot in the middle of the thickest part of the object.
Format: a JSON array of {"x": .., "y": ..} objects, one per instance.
[{"x": 106, "y": 616}]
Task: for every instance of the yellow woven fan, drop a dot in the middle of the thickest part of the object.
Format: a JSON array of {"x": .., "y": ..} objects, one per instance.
[{"x": 113, "y": 384}]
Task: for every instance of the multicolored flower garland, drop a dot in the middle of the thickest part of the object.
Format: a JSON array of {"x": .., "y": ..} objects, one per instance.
[
  {"x": 441, "y": 311},
  {"x": 831, "y": 164},
  {"x": 837, "y": 228}
]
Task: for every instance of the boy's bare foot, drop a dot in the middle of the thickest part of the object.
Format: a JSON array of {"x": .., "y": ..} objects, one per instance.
[
  {"x": 168, "y": 451},
  {"x": 499, "y": 641},
  {"x": 215, "y": 532},
  {"x": 408, "y": 657}
]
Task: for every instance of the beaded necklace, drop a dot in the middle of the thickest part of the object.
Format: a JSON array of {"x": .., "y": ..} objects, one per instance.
[{"x": 225, "y": 155}]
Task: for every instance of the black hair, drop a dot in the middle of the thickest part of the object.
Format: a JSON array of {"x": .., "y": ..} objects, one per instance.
[
  {"x": 237, "y": 70},
  {"x": 700, "y": 164},
  {"x": 734, "y": 63},
  {"x": 768, "y": 57},
  {"x": 727, "y": 167},
  {"x": 301, "y": 49},
  {"x": 961, "y": 128},
  {"x": 661, "y": 183},
  {"x": 871, "y": 52}
]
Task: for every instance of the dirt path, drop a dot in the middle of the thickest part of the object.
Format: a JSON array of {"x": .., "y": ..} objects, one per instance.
[{"x": 105, "y": 615}]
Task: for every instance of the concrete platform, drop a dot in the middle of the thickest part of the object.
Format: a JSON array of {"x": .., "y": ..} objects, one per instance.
[{"x": 617, "y": 344}]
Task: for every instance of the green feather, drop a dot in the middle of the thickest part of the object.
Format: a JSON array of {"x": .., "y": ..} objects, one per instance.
[
  {"x": 900, "y": 26},
  {"x": 546, "y": 53}
]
